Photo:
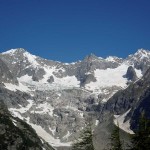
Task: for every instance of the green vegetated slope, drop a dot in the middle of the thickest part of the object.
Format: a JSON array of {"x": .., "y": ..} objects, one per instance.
[{"x": 15, "y": 134}]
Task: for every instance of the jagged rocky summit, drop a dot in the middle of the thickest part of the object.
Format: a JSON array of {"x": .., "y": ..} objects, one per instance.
[{"x": 57, "y": 99}]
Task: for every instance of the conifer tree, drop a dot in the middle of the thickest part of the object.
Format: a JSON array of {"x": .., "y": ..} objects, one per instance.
[
  {"x": 115, "y": 139},
  {"x": 141, "y": 138},
  {"x": 85, "y": 141}
]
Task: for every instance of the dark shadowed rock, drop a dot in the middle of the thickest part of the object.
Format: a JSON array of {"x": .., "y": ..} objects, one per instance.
[
  {"x": 51, "y": 79},
  {"x": 87, "y": 79},
  {"x": 37, "y": 74},
  {"x": 131, "y": 74},
  {"x": 35, "y": 78}
]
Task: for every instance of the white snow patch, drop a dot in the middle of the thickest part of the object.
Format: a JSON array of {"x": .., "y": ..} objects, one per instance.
[
  {"x": 25, "y": 78},
  {"x": 96, "y": 122},
  {"x": 44, "y": 108},
  {"x": 52, "y": 130},
  {"x": 47, "y": 137},
  {"x": 13, "y": 87},
  {"x": 138, "y": 73},
  {"x": 87, "y": 73},
  {"x": 104, "y": 100},
  {"x": 116, "y": 116},
  {"x": 105, "y": 91},
  {"x": 67, "y": 135},
  {"x": 11, "y": 51},
  {"x": 14, "y": 122},
  {"x": 108, "y": 78},
  {"x": 69, "y": 81},
  {"x": 119, "y": 120},
  {"x": 15, "y": 113},
  {"x": 32, "y": 59},
  {"x": 39, "y": 130},
  {"x": 21, "y": 109},
  {"x": 81, "y": 114},
  {"x": 56, "y": 115},
  {"x": 58, "y": 94},
  {"x": 111, "y": 58}
]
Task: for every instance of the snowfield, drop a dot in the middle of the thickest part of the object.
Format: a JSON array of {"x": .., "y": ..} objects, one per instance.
[
  {"x": 110, "y": 77},
  {"x": 119, "y": 120}
]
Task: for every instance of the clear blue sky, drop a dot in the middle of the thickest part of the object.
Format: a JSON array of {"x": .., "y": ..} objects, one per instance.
[{"x": 68, "y": 30}]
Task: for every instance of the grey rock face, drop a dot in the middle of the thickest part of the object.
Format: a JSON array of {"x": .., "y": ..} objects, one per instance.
[
  {"x": 87, "y": 79},
  {"x": 5, "y": 74},
  {"x": 38, "y": 74},
  {"x": 131, "y": 74},
  {"x": 51, "y": 79}
]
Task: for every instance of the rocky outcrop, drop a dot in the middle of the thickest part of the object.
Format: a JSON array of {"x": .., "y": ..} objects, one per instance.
[
  {"x": 38, "y": 74},
  {"x": 5, "y": 74},
  {"x": 140, "y": 60},
  {"x": 131, "y": 74},
  {"x": 51, "y": 79},
  {"x": 87, "y": 79}
]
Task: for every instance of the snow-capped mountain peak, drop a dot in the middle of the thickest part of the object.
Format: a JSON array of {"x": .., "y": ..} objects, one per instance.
[
  {"x": 113, "y": 59},
  {"x": 141, "y": 50},
  {"x": 140, "y": 55},
  {"x": 140, "y": 60},
  {"x": 14, "y": 51},
  {"x": 20, "y": 55},
  {"x": 92, "y": 57}
]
